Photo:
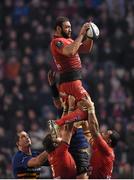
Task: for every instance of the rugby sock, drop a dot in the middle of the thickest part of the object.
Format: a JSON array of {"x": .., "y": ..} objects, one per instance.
[{"x": 76, "y": 115}]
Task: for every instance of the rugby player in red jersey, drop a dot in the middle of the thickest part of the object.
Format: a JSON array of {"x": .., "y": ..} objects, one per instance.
[
  {"x": 65, "y": 52},
  {"x": 79, "y": 146},
  {"x": 102, "y": 158},
  {"x": 61, "y": 162},
  {"x": 57, "y": 145}
]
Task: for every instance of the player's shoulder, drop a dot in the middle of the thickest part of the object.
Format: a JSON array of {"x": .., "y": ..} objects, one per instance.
[
  {"x": 57, "y": 42},
  {"x": 19, "y": 154},
  {"x": 55, "y": 39},
  {"x": 61, "y": 40}
]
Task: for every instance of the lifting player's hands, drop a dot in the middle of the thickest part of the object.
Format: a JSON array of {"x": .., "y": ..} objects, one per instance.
[
  {"x": 86, "y": 104},
  {"x": 84, "y": 28},
  {"x": 64, "y": 104},
  {"x": 71, "y": 103},
  {"x": 51, "y": 77}
]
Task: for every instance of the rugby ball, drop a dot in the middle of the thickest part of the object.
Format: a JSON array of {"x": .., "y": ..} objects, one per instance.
[{"x": 93, "y": 32}]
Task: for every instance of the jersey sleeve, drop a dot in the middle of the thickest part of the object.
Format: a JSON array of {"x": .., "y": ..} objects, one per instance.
[
  {"x": 25, "y": 160},
  {"x": 57, "y": 45},
  {"x": 102, "y": 145},
  {"x": 20, "y": 160}
]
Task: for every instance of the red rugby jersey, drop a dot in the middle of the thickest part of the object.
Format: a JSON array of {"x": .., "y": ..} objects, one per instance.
[
  {"x": 64, "y": 63},
  {"x": 62, "y": 163},
  {"x": 101, "y": 163}
]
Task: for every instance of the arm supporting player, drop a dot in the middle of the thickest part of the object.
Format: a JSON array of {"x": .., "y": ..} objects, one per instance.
[
  {"x": 93, "y": 124},
  {"x": 38, "y": 160},
  {"x": 92, "y": 119},
  {"x": 87, "y": 105},
  {"x": 65, "y": 107},
  {"x": 68, "y": 128},
  {"x": 94, "y": 128}
]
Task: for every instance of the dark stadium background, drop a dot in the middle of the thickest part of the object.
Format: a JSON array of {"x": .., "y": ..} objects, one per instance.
[{"x": 108, "y": 72}]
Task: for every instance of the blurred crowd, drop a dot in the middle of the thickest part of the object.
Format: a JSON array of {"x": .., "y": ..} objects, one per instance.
[{"x": 26, "y": 28}]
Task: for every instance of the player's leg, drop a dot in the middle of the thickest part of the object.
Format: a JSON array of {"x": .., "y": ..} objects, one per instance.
[
  {"x": 80, "y": 150},
  {"x": 76, "y": 115},
  {"x": 75, "y": 89}
]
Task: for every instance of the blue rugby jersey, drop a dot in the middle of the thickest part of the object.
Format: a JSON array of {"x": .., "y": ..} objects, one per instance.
[
  {"x": 20, "y": 168},
  {"x": 78, "y": 141}
]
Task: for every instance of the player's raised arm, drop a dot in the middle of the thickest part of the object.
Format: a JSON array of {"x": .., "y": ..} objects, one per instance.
[
  {"x": 68, "y": 128},
  {"x": 63, "y": 29},
  {"x": 38, "y": 160},
  {"x": 73, "y": 48},
  {"x": 91, "y": 33},
  {"x": 87, "y": 104},
  {"x": 86, "y": 46}
]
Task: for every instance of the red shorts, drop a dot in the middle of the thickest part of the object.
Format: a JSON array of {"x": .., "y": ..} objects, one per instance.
[{"x": 73, "y": 88}]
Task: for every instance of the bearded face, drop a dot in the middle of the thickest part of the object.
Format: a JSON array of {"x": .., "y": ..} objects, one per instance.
[{"x": 66, "y": 29}]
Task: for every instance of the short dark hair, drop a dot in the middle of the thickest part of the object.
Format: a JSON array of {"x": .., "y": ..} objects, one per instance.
[
  {"x": 114, "y": 138},
  {"x": 60, "y": 20},
  {"x": 49, "y": 144}
]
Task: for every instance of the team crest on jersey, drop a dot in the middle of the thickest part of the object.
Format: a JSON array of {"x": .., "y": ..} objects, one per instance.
[{"x": 59, "y": 44}]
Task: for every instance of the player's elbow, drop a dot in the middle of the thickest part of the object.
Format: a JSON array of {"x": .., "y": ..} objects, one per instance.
[{"x": 90, "y": 46}]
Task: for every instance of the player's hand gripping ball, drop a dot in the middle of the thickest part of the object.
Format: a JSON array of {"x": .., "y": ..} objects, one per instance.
[{"x": 93, "y": 32}]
